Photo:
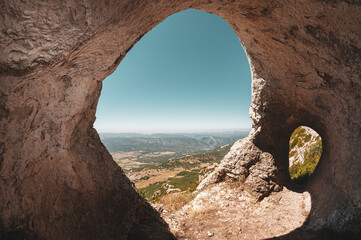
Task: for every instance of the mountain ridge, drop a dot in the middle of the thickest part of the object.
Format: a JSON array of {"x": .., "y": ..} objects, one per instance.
[{"x": 181, "y": 142}]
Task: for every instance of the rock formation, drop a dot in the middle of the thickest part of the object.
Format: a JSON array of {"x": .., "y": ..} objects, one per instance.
[
  {"x": 57, "y": 180},
  {"x": 247, "y": 164}
]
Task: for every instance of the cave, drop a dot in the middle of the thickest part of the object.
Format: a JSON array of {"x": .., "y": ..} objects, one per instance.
[{"x": 57, "y": 180}]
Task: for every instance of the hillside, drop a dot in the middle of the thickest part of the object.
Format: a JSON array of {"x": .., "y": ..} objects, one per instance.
[
  {"x": 135, "y": 150},
  {"x": 177, "y": 175},
  {"x": 305, "y": 149},
  {"x": 183, "y": 142},
  {"x": 301, "y": 141}
]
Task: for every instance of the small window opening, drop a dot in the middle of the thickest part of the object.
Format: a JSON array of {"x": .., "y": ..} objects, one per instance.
[{"x": 305, "y": 150}]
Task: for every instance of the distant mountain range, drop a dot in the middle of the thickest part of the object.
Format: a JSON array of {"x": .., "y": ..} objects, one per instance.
[{"x": 173, "y": 142}]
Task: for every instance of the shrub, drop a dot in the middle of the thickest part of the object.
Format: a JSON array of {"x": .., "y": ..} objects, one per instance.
[
  {"x": 188, "y": 180},
  {"x": 292, "y": 153},
  {"x": 148, "y": 191},
  {"x": 293, "y": 144},
  {"x": 176, "y": 201},
  {"x": 307, "y": 138},
  {"x": 299, "y": 137}
]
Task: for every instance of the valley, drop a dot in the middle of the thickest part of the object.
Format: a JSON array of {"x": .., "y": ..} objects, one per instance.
[
  {"x": 134, "y": 150},
  {"x": 162, "y": 163}
]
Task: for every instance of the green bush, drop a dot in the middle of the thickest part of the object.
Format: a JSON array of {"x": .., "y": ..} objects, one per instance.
[
  {"x": 298, "y": 138},
  {"x": 184, "y": 180},
  {"x": 292, "y": 153},
  {"x": 148, "y": 191},
  {"x": 187, "y": 180},
  {"x": 307, "y": 138},
  {"x": 293, "y": 144}
]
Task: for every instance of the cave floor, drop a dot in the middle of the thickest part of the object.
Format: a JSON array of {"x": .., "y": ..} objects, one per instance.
[{"x": 228, "y": 211}]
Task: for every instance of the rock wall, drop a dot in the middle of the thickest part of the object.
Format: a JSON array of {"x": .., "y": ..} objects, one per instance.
[{"x": 57, "y": 181}]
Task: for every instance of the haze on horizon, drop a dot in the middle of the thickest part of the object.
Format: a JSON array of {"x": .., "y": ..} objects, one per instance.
[
  {"x": 179, "y": 131},
  {"x": 188, "y": 74}
]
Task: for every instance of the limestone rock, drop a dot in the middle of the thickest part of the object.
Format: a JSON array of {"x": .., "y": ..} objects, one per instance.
[
  {"x": 231, "y": 214},
  {"x": 204, "y": 173},
  {"x": 248, "y": 165}
]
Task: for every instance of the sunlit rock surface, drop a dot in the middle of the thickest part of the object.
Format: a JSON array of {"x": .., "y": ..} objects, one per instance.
[{"x": 247, "y": 165}]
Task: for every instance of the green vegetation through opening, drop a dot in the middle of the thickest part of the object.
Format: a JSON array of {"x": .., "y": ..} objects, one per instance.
[{"x": 305, "y": 150}]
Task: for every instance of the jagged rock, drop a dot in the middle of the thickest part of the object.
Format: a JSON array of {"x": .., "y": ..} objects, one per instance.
[
  {"x": 247, "y": 164},
  {"x": 57, "y": 180},
  {"x": 206, "y": 171},
  {"x": 170, "y": 188},
  {"x": 159, "y": 207}
]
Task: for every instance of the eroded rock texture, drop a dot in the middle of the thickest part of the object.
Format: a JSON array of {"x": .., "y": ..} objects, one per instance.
[
  {"x": 247, "y": 164},
  {"x": 57, "y": 181}
]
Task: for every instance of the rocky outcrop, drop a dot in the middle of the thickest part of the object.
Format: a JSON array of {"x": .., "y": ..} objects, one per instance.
[
  {"x": 231, "y": 213},
  {"x": 57, "y": 180},
  {"x": 205, "y": 172},
  {"x": 247, "y": 164}
]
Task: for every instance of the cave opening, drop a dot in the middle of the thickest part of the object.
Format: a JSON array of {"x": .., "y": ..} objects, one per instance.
[
  {"x": 305, "y": 151},
  {"x": 175, "y": 105},
  {"x": 59, "y": 181}
]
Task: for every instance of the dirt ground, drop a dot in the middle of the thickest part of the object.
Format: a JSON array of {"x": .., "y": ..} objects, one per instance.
[
  {"x": 223, "y": 211},
  {"x": 163, "y": 176}
]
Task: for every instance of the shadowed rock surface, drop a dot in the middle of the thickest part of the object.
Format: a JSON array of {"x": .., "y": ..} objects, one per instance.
[{"x": 57, "y": 180}]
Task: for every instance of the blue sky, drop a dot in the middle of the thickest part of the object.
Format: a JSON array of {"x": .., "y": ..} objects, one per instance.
[{"x": 189, "y": 73}]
